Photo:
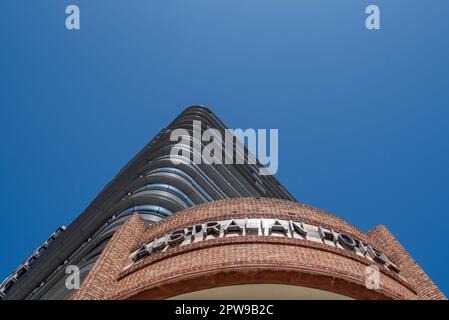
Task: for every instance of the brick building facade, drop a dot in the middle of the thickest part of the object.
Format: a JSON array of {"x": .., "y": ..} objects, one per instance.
[
  {"x": 239, "y": 259},
  {"x": 193, "y": 230}
]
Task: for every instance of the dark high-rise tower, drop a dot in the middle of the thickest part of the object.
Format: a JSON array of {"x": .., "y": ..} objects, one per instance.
[{"x": 151, "y": 185}]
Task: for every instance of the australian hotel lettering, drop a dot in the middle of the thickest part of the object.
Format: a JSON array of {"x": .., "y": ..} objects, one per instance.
[{"x": 262, "y": 227}]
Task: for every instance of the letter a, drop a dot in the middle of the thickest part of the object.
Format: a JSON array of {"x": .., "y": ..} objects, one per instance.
[
  {"x": 73, "y": 20},
  {"x": 73, "y": 279},
  {"x": 373, "y": 20}
]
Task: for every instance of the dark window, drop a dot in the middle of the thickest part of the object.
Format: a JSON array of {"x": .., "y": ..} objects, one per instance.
[
  {"x": 21, "y": 272},
  {"x": 50, "y": 240},
  {"x": 59, "y": 231},
  {"x": 32, "y": 260},
  {"x": 8, "y": 287},
  {"x": 41, "y": 250}
]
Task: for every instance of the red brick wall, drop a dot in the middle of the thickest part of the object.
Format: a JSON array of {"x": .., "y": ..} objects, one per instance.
[
  {"x": 101, "y": 281},
  {"x": 427, "y": 290},
  {"x": 240, "y": 260},
  {"x": 300, "y": 263}
]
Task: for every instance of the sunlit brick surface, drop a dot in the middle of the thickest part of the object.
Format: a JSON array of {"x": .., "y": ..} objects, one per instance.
[{"x": 249, "y": 259}]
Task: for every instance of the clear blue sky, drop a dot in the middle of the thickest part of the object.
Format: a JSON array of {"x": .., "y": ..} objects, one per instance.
[{"x": 363, "y": 116}]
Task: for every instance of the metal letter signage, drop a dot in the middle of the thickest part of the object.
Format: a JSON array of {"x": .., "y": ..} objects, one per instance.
[{"x": 262, "y": 227}]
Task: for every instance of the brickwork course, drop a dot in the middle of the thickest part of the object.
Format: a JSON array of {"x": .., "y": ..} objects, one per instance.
[{"x": 250, "y": 259}]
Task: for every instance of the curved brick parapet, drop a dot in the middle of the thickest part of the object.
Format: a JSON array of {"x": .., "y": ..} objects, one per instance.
[{"x": 207, "y": 260}]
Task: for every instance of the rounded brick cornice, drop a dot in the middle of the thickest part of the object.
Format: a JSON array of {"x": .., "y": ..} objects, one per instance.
[
  {"x": 213, "y": 261},
  {"x": 187, "y": 268}
]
